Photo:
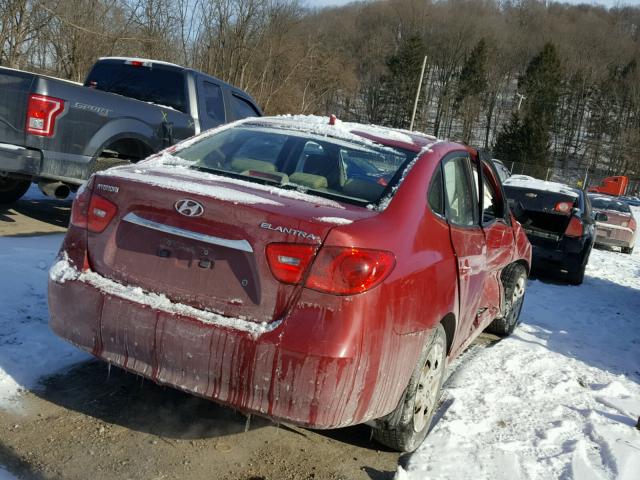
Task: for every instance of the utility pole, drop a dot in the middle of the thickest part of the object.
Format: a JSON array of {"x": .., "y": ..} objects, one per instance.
[{"x": 415, "y": 104}]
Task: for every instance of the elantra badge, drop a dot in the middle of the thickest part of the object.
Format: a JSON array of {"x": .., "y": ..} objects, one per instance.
[{"x": 189, "y": 208}]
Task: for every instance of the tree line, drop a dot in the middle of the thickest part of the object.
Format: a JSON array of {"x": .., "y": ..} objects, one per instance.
[{"x": 541, "y": 83}]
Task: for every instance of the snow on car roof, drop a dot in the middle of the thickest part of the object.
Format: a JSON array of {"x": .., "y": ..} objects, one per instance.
[
  {"x": 145, "y": 60},
  {"x": 320, "y": 125},
  {"x": 525, "y": 181}
]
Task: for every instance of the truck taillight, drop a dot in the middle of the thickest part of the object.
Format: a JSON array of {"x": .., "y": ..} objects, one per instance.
[
  {"x": 42, "y": 112},
  {"x": 575, "y": 228},
  {"x": 348, "y": 270}
]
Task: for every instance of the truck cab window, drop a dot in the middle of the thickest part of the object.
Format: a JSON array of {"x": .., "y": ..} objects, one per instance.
[
  {"x": 213, "y": 102},
  {"x": 242, "y": 108}
]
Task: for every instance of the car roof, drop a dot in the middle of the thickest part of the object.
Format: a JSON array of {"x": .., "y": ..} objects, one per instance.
[{"x": 319, "y": 125}]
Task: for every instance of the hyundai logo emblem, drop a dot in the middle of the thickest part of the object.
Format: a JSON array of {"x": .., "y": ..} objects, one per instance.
[{"x": 189, "y": 208}]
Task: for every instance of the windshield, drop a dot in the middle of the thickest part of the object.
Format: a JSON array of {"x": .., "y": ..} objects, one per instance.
[
  {"x": 604, "y": 203},
  {"x": 353, "y": 172},
  {"x": 157, "y": 84}
]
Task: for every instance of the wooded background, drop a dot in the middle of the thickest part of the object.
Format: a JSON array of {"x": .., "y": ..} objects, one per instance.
[{"x": 553, "y": 89}]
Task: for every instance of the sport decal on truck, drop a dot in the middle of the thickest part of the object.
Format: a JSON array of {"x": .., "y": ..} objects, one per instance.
[{"x": 103, "y": 112}]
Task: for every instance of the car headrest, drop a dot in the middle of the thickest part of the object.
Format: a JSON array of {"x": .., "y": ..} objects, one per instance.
[
  {"x": 242, "y": 164},
  {"x": 308, "y": 180},
  {"x": 369, "y": 191}
]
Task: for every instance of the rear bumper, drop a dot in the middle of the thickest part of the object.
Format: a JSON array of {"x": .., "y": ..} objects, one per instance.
[
  {"x": 16, "y": 159},
  {"x": 561, "y": 259},
  {"x": 28, "y": 162},
  {"x": 288, "y": 370},
  {"x": 614, "y": 236}
]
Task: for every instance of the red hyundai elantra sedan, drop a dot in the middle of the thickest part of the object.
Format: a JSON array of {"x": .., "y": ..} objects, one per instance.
[{"x": 311, "y": 271}]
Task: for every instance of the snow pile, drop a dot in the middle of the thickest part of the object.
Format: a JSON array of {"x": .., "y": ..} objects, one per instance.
[
  {"x": 4, "y": 475},
  {"x": 28, "y": 349},
  {"x": 180, "y": 185},
  {"x": 62, "y": 271},
  {"x": 558, "y": 399},
  {"x": 334, "y": 220},
  {"x": 524, "y": 181}
]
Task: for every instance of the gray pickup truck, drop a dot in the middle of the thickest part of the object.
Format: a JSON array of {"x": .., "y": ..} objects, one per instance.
[{"x": 56, "y": 133}]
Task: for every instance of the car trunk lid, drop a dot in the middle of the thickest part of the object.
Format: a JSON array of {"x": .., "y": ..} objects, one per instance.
[
  {"x": 541, "y": 218},
  {"x": 215, "y": 259}
]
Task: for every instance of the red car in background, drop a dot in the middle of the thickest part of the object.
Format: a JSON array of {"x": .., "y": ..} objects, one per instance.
[
  {"x": 617, "y": 226},
  {"x": 250, "y": 266}
]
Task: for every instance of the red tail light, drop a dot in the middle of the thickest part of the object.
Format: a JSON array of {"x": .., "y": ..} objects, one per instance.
[
  {"x": 101, "y": 212},
  {"x": 347, "y": 271},
  {"x": 575, "y": 228},
  {"x": 632, "y": 223},
  {"x": 563, "y": 207},
  {"x": 80, "y": 207},
  {"x": 42, "y": 112},
  {"x": 289, "y": 261}
]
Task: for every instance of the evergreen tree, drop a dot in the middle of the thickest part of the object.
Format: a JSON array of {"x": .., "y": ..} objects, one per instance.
[
  {"x": 472, "y": 83},
  {"x": 526, "y": 137},
  {"x": 400, "y": 83}
]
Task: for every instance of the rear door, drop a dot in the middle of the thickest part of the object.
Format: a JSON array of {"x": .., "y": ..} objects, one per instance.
[
  {"x": 467, "y": 238},
  {"x": 498, "y": 233}
]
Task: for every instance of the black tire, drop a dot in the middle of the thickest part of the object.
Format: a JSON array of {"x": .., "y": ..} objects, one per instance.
[
  {"x": 12, "y": 189},
  {"x": 514, "y": 281},
  {"x": 406, "y": 427},
  {"x": 628, "y": 250},
  {"x": 576, "y": 277}
]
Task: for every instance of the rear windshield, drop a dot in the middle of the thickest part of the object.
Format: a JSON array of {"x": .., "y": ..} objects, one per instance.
[
  {"x": 156, "y": 84},
  {"x": 348, "y": 171},
  {"x": 604, "y": 203}
]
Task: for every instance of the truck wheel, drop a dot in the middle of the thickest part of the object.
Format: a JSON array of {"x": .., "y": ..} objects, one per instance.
[
  {"x": 12, "y": 189},
  {"x": 103, "y": 163},
  {"x": 514, "y": 281},
  {"x": 412, "y": 417}
]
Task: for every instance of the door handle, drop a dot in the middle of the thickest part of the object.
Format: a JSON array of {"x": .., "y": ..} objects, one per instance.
[{"x": 465, "y": 269}]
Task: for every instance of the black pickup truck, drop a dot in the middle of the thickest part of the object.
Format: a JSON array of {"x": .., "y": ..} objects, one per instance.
[{"x": 56, "y": 133}]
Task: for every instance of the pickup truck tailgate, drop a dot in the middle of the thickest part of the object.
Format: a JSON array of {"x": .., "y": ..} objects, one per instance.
[{"x": 14, "y": 93}]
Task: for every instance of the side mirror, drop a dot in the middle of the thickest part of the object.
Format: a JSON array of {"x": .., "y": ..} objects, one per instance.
[
  {"x": 517, "y": 209},
  {"x": 601, "y": 217}
]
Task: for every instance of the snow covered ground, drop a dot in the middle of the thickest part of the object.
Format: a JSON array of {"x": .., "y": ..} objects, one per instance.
[
  {"x": 558, "y": 399},
  {"x": 28, "y": 349}
]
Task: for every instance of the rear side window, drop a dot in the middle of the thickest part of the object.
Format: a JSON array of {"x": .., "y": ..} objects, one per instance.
[
  {"x": 436, "y": 193},
  {"x": 213, "y": 102},
  {"x": 242, "y": 108},
  {"x": 459, "y": 192},
  {"x": 158, "y": 85}
]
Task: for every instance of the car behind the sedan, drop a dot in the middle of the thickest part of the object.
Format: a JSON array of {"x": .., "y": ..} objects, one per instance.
[
  {"x": 558, "y": 222},
  {"x": 321, "y": 274},
  {"x": 617, "y": 226}
]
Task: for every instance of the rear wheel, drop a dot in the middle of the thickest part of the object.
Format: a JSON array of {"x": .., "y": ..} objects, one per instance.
[
  {"x": 576, "y": 277},
  {"x": 409, "y": 423},
  {"x": 12, "y": 189},
  {"x": 628, "y": 250},
  {"x": 514, "y": 281}
]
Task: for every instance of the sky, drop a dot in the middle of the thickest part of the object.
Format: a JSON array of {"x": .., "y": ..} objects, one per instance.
[{"x": 608, "y": 3}]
